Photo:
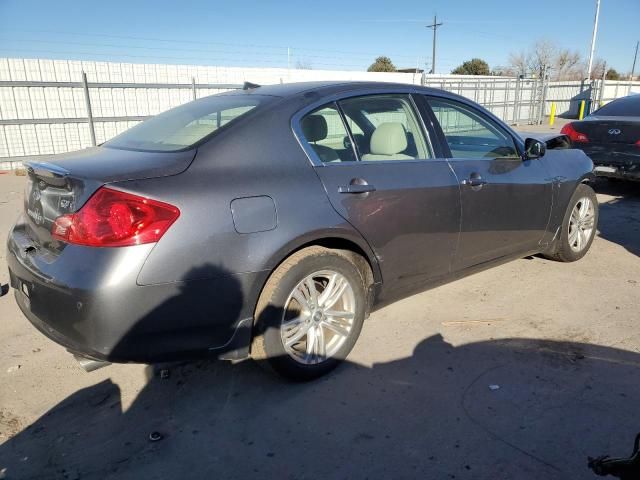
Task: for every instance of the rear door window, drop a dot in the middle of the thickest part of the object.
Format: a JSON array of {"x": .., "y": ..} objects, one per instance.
[
  {"x": 325, "y": 133},
  {"x": 386, "y": 127}
]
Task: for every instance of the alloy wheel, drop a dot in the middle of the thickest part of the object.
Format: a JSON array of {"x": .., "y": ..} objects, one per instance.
[
  {"x": 581, "y": 224},
  {"x": 318, "y": 317}
]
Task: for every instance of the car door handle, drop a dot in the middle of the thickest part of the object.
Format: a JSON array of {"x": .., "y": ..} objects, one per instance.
[
  {"x": 357, "y": 186},
  {"x": 474, "y": 181}
]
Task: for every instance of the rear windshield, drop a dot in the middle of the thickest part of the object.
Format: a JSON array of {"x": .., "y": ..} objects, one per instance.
[
  {"x": 184, "y": 126},
  {"x": 623, "y": 107}
]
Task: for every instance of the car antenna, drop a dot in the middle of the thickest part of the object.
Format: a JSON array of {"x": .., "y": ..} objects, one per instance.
[{"x": 249, "y": 86}]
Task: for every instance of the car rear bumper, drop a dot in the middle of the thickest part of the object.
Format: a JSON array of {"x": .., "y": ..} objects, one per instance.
[
  {"x": 623, "y": 173},
  {"x": 87, "y": 300},
  {"x": 615, "y": 161}
]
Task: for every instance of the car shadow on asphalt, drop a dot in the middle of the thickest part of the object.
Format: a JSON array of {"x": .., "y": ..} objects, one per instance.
[
  {"x": 620, "y": 218},
  {"x": 513, "y": 408}
]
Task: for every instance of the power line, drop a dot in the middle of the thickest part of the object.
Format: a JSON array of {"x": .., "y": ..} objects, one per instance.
[
  {"x": 89, "y": 55},
  {"x": 288, "y": 53},
  {"x": 434, "y": 26},
  {"x": 282, "y": 48}
]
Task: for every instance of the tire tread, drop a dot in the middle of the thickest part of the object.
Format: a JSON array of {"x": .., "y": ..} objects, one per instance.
[
  {"x": 258, "y": 346},
  {"x": 560, "y": 251}
]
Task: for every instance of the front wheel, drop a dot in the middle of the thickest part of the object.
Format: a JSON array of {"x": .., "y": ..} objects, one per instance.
[
  {"x": 310, "y": 313},
  {"x": 578, "y": 227}
]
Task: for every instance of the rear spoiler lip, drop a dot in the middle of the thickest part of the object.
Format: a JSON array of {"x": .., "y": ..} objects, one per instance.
[{"x": 46, "y": 169}]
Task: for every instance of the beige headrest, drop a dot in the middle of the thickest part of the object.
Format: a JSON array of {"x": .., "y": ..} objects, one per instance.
[{"x": 388, "y": 139}]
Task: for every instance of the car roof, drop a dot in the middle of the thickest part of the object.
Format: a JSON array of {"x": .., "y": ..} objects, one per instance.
[
  {"x": 633, "y": 97},
  {"x": 336, "y": 86}
]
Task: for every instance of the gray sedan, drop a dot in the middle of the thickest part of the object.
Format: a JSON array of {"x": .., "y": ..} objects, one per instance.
[{"x": 269, "y": 222}]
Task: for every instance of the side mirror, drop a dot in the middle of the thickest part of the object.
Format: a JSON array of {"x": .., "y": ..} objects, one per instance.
[{"x": 534, "y": 148}]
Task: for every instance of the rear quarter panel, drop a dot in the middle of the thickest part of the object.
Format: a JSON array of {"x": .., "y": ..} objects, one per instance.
[{"x": 260, "y": 158}]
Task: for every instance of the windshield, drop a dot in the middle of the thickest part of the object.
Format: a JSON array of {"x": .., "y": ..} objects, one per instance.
[
  {"x": 623, "y": 107},
  {"x": 184, "y": 126}
]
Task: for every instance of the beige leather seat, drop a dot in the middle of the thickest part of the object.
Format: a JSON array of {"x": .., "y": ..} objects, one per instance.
[{"x": 387, "y": 141}]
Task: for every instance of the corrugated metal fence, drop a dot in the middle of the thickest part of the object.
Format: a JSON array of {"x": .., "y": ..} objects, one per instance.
[
  {"x": 56, "y": 106},
  {"x": 567, "y": 95}
]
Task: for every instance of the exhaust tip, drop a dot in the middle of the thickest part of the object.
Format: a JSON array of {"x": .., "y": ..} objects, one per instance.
[{"x": 89, "y": 365}]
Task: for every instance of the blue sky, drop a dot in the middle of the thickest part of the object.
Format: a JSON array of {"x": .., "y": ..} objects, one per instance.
[{"x": 326, "y": 34}]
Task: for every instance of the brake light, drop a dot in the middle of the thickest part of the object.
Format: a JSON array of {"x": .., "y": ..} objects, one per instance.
[
  {"x": 112, "y": 218},
  {"x": 575, "y": 136}
]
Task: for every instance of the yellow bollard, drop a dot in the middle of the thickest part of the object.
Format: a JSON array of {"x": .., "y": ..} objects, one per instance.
[
  {"x": 581, "y": 116},
  {"x": 552, "y": 118}
]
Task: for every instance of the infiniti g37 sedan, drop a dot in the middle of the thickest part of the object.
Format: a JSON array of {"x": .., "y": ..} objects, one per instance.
[
  {"x": 269, "y": 222},
  {"x": 610, "y": 136}
]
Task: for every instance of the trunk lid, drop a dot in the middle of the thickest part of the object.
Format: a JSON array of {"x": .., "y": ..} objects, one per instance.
[
  {"x": 64, "y": 183},
  {"x": 610, "y": 130}
]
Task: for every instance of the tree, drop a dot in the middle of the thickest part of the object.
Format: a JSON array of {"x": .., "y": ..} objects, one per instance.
[
  {"x": 382, "y": 64},
  {"x": 612, "y": 74},
  {"x": 598, "y": 68},
  {"x": 500, "y": 71},
  {"x": 544, "y": 57},
  {"x": 519, "y": 62},
  {"x": 567, "y": 65},
  {"x": 541, "y": 57},
  {"x": 475, "y": 66}
]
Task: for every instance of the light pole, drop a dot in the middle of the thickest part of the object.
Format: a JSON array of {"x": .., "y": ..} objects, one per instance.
[
  {"x": 593, "y": 39},
  {"x": 635, "y": 57}
]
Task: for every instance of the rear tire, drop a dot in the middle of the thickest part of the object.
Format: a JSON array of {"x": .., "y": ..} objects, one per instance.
[
  {"x": 578, "y": 227},
  {"x": 310, "y": 313}
]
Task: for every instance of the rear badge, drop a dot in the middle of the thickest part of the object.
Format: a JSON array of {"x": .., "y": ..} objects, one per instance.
[
  {"x": 615, "y": 131},
  {"x": 601, "y": 168},
  {"x": 66, "y": 203}
]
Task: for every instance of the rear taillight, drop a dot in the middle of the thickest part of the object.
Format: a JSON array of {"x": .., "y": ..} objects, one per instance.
[
  {"x": 570, "y": 131},
  {"x": 112, "y": 218}
]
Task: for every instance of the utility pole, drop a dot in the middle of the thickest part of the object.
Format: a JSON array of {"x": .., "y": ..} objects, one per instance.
[
  {"x": 593, "y": 38},
  {"x": 635, "y": 57},
  {"x": 434, "y": 26}
]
